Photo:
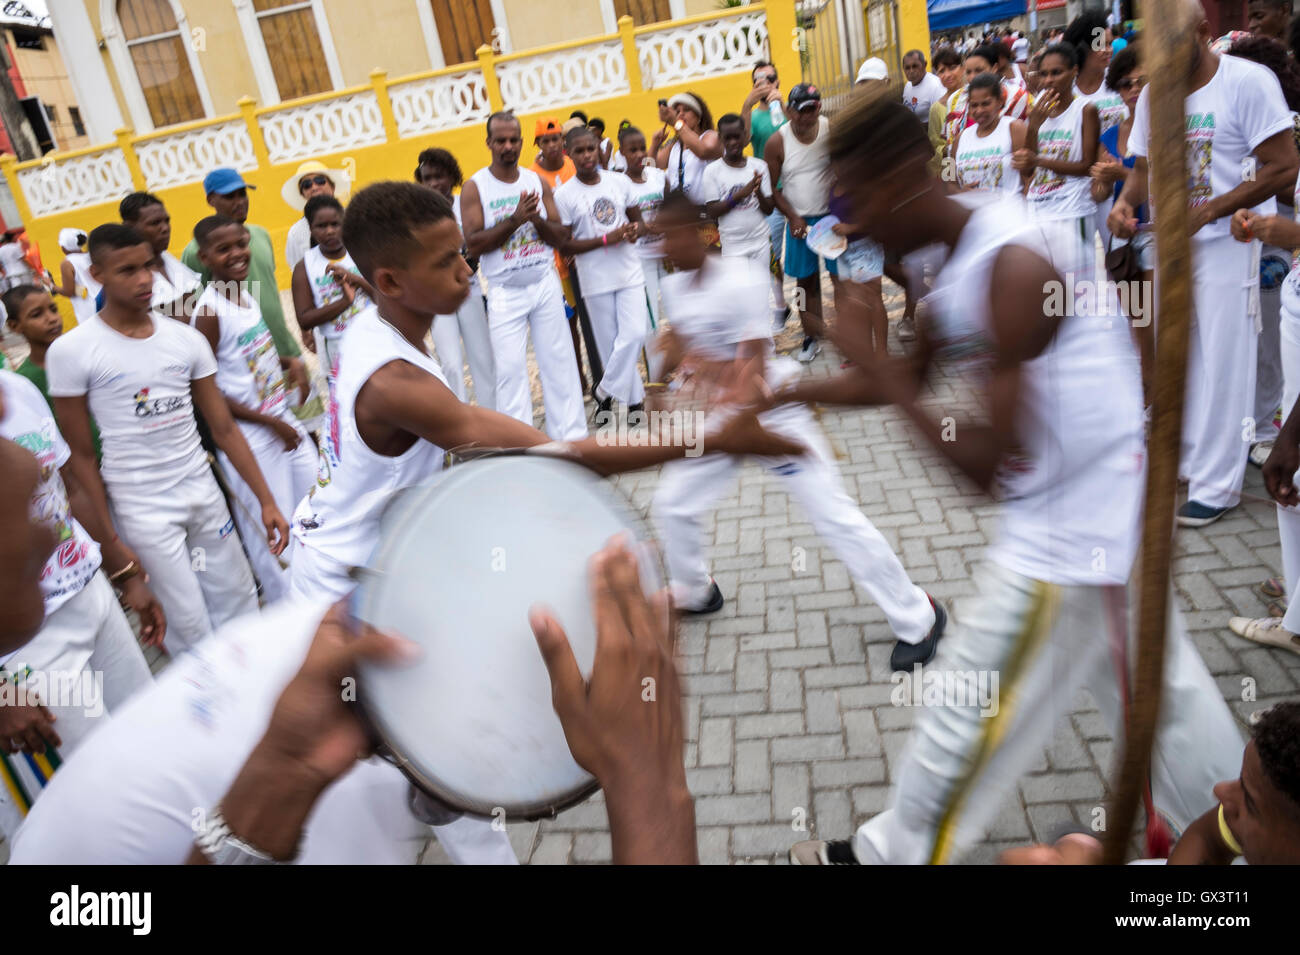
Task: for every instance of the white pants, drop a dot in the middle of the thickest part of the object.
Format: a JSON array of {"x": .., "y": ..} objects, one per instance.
[
  {"x": 315, "y": 576},
  {"x": 761, "y": 259},
  {"x": 469, "y": 323},
  {"x": 511, "y": 312},
  {"x": 1043, "y": 642},
  {"x": 653, "y": 269},
  {"x": 618, "y": 320},
  {"x": 289, "y": 475},
  {"x": 1288, "y": 518},
  {"x": 689, "y": 488},
  {"x": 1268, "y": 360},
  {"x": 1220, "y": 412},
  {"x": 89, "y": 640},
  {"x": 187, "y": 543}
]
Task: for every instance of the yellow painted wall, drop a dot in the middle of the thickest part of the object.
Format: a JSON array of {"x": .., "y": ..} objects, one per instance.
[
  {"x": 187, "y": 204},
  {"x": 914, "y": 27},
  {"x": 541, "y": 22},
  {"x": 44, "y": 75},
  {"x": 383, "y": 34}
]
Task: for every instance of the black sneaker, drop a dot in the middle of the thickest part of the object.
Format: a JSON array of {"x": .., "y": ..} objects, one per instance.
[
  {"x": 712, "y": 605},
  {"x": 819, "y": 852},
  {"x": 908, "y": 655}
]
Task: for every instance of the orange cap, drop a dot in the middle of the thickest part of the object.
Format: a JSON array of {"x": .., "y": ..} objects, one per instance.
[{"x": 546, "y": 126}]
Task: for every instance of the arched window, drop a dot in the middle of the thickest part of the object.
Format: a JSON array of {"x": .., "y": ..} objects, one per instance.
[
  {"x": 291, "y": 34},
  {"x": 161, "y": 59}
]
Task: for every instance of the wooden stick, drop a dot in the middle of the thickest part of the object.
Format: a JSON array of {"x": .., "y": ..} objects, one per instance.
[{"x": 1168, "y": 48}]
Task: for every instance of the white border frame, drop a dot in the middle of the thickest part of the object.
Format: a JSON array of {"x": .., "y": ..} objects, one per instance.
[
  {"x": 255, "y": 43},
  {"x": 125, "y": 67},
  {"x": 433, "y": 42}
]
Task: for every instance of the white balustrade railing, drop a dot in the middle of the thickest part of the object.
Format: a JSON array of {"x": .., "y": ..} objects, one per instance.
[
  {"x": 187, "y": 157},
  {"x": 79, "y": 181},
  {"x": 679, "y": 54},
  {"x": 325, "y": 126},
  {"x": 571, "y": 76},
  {"x": 439, "y": 102}
]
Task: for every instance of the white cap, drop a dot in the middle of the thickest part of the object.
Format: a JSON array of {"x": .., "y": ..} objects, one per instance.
[
  {"x": 68, "y": 239},
  {"x": 873, "y": 69}
]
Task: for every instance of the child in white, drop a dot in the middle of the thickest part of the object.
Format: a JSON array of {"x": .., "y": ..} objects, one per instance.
[
  {"x": 647, "y": 192},
  {"x": 613, "y": 286},
  {"x": 85, "y": 637},
  {"x": 740, "y": 198},
  {"x": 250, "y": 375},
  {"x": 79, "y": 286},
  {"x": 468, "y": 324},
  {"x": 337, "y": 291},
  {"x": 720, "y": 316}
]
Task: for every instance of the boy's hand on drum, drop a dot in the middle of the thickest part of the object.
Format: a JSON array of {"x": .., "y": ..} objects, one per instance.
[{"x": 625, "y": 725}]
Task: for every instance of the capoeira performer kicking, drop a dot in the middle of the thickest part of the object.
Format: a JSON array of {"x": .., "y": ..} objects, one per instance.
[
  {"x": 722, "y": 327},
  {"x": 392, "y": 413},
  {"x": 1240, "y": 153},
  {"x": 511, "y": 224},
  {"x": 1065, "y": 440},
  {"x": 252, "y": 376},
  {"x": 599, "y": 209}
]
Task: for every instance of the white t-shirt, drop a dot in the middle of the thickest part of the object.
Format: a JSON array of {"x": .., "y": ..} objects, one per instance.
[
  {"x": 1227, "y": 119},
  {"x": 297, "y": 243},
  {"x": 340, "y": 517},
  {"x": 27, "y": 422},
  {"x": 176, "y": 279},
  {"x": 1110, "y": 105},
  {"x": 132, "y": 793},
  {"x": 11, "y": 260},
  {"x": 1072, "y": 495},
  {"x": 921, "y": 96},
  {"x": 248, "y": 366},
  {"x": 743, "y": 230},
  {"x": 83, "y": 303},
  {"x": 719, "y": 305},
  {"x": 139, "y": 395},
  {"x": 686, "y": 172},
  {"x": 326, "y": 289},
  {"x": 647, "y": 196},
  {"x": 1054, "y": 195},
  {"x": 593, "y": 211}
]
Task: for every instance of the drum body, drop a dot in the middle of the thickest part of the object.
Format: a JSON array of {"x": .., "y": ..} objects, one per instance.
[{"x": 462, "y": 559}]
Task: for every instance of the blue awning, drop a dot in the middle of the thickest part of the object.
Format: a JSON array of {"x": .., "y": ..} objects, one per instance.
[{"x": 951, "y": 14}]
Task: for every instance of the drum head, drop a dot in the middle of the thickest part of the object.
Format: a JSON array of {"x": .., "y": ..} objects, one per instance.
[{"x": 461, "y": 561}]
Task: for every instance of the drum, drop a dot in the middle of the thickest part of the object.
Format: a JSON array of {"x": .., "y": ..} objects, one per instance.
[{"x": 462, "y": 559}]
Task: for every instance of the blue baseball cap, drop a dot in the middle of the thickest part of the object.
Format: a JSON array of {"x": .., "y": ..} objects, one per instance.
[{"x": 223, "y": 181}]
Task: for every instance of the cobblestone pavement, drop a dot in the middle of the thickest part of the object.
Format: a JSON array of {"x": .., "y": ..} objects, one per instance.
[{"x": 788, "y": 690}]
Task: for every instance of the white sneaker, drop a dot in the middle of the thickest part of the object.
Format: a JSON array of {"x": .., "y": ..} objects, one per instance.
[
  {"x": 809, "y": 351},
  {"x": 1266, "y": 630},
  {"x": 1259, "y": 452}
]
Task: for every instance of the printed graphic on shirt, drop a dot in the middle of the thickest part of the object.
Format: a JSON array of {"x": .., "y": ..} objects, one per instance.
[
  {"x": 259, "y": 354},
  {"x": 329, "y": 290},
  {"x": 1200, "y": 158},
  {"x": 1056, "y": 144},
  {"x": 524, "y": 247},
  {"x": 1111, "y": 111},
  {"x": 172, "y": 409},
  {"x": 749, "y": 202},
  {"x": 603, "y": 211},
  {"x": 67, "y": 570},
  {"x": 981, "y": 168}
]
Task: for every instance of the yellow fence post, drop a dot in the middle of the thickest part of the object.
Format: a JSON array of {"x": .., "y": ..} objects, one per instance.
[
  {"x": 633, "y": 62},
  {"x": 784, "y": 36},
  {"x": 8, "y": 163},
  {"x": 248, "y": 108},
  {"x": 379, "y": 81},
  {"x": 132, "y": 160},
  {"x": 487, "y": 63}
]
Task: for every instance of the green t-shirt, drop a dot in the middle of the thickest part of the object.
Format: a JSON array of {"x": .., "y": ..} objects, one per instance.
[
  {"x": 36, "y": 375},
  {"x": 261, "y": 276},
  {"x": 761, "y": 128}
]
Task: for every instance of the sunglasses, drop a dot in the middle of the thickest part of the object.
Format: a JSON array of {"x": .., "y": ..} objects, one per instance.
[
  {"x": 313, "y": 181},
  {"x": 765, "y": 78},
  {"x": 1131, "y": 82}
]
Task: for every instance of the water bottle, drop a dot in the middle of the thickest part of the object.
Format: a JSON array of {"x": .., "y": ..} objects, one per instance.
[{"x": 776, "y": 111}]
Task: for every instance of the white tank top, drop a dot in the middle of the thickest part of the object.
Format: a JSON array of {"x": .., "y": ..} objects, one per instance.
[
  {"x": 524, "y": 258},
  {"x": 248, "y": 365},
  {"x": 985, "y": 162},
  {"x": 806, "y": 171},
  {"x": 326, "y": 289},
  {"x": 1073, "y": 495},
  {"x": 1050, "y": 194},
  {"x": 340, "y": 517},
  {"x": 83, "y": 303}
]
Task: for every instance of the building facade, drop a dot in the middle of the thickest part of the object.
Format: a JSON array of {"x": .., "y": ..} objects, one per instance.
[{"x": 40, "y": 78}]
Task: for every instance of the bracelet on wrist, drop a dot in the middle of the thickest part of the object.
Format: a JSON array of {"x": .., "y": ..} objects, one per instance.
[{"x": 132, "y": 569}]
